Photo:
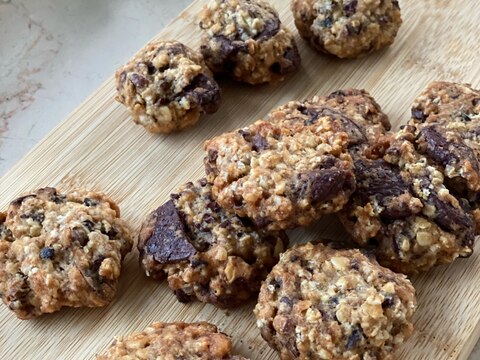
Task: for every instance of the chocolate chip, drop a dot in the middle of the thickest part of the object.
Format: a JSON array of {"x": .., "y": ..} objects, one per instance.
[
  {"x": 151, "y": 69},
  {"x": 276, "y": 283},
  {"x": 354, "y": 338},
  {"x": 37, "y": 217},
  {"x": 111, "y": 233},
  {"x": 17, "y": 202},
  {"x": 139, "y": 80},
  {"x": 259, "y": 143},
  {"x": 396, "y": 4},
  {"x": 436, "y": 146},
  {"x": 123, "y": 77},
  {"x": 465, "y": 117},
  {"x": 270, "y": 29},
  {"x": 225, "y": 59},
  {"x": 169, "y": 242},
  {"x": 476, "y": 101},
  {"x": 356, "y": 133},
  {"x": 387, "y": 301},
  {"x": 90, "y": 225},
  {"x": 322, "y": 184},
  {"x": 418, "y": 114},
  {"x": 175, "y": 49},
  {"x": 354, "y": 30},
  {"x": 182, "y": 296},
  {"x": 203, "y": 91},
  {"x": 58, "y": 199},
  {"x": 290, "y": 62},
  {"x": 293, "y": 258},
  {"x": 90, "y": 202},
  {"x": 350, "y": 8},
  {"x": 203, "y": 182},
  {"x": 212, "y": 155},
  {"x": 287, "y": 301},
  {"x": 195, "y": 262},
  {"x": 96, "y": 264},
  {"x": 327, "y": 22},
  {"x": 449, "y": 217},
  {"x": 79, "y": 235},
  {"x": 47, "y": 253}
]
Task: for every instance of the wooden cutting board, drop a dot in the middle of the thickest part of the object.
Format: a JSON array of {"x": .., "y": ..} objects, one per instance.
[{"x": 99, "y": 147}]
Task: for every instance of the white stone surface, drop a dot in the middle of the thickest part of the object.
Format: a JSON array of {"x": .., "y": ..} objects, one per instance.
[{"x": 54, "y": 53}]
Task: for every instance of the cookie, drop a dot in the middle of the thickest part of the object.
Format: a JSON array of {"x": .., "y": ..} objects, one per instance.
[
  {"x": 60, "y": 249},
  {"x": 246, "y": 40},
  {"x": 206, "y": 253},
  {"x": 404, "y": 208},
  {"x": 321, "y": 303},
  {"x": 283, "y": 172},
  {"x": 172, "y": 341},
  {"x": 347, "y": 28},
  {"x": 167, "y": 87}
]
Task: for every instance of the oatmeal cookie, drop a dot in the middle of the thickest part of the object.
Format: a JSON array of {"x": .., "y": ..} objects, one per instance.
[
  {"x": 321, "y": 303},
  {"x": 347, "y": 28},
  {"x": 60, "y": 250},
  {"x": 406, "y": 211},
  {"x": 167, "y": 87},
  {"x": 172, "y": 341},
  {"x": 205, "y": 252},
  {"x": 246, "y": 40},
  {"x": 283, "y": 172}
]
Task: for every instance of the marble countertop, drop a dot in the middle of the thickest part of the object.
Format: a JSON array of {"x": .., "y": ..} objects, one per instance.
[{"x": 54, "y": 53}]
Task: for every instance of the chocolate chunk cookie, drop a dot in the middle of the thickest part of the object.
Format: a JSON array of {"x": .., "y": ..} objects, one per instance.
[
  {"x": 347, "y": 28},
  {"x": 246, "y": 40},
  {"x": 172, "y": 341},
  {"x": 283, "y": 172},
  {"x": 321, "y": 303},
  {"x": 406, "y": 210},
  {"x": 167, "y": 87},
  {"x": 205, "y": 252},
  {"x": 60, "y": 250}
]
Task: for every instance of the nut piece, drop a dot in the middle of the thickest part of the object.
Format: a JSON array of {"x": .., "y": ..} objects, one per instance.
[
  {"x": 347, "y": 28},
  {"x": 320, "y": 303},
  {"x": 196, "y": 341},
  {"x": 166, "y": 87},
  {"x": 60, "y": 250},
  {"x": 205, "y": 252},
  {"x": 246, "y": 40}
]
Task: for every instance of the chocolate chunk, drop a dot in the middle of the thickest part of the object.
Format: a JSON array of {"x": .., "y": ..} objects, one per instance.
[
  {"x": 228, "y": 51},
  {"x": 354, "y": 30},
  {"x": 270, "y": 29},
  {"x": 322, "y": 184},
  {"x": 396, "y": 4},
  {"x": 327, "y": 22},
  {"x": 290, "y": 62},
  {"x": 276, "y": 283},
  {"x": 139, "y": 80},
  {"x": 151, "y": 69},
  {"x": 443, "y": 152},
  {"x": 79, "y": 235},
  {"x": 449, "y": 217},
  {"x": 465, "y": 117},
  {"x": 350, "y": 8},
  {"x": 47, "y": 253},
  {"x": 169, "y": 242},
  {"x": 17, "y": 202},
  {"x": 96, "y": 265},
  {"x": 354, "y": 338},
  {"x": 90, "y": 225},
  {"x": 259, "y": 143},
  {"x": 37, "y": 217},
  {"x": 182, "y": 296},
  {"x": 287, "y": 301},
  {"x": 90, "y": 202},
  {"x": 387, "y": 302},
  {"x": 418, "y": 114},
  {"x": 212, "y": 155},
  {"x": 203, "y": 91},
  {"x": 355, "y": 132},
  {"x": 175, "y": 49},
  {"x": 476, "y": 101}
]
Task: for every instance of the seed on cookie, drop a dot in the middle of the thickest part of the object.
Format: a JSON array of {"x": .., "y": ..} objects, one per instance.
[
  {"x": 406, "y": 210},
  {"x": 322, "y": 303},
  {"x": 167, "y": 87},
  {"x": 56, "y": 251},
  {"x": 246, "y": 40},
  {"x": 347, "y": 28},
  {"x": 195, "y": 341},
  {"x": 204, "y": 252},
  {"x": 283, "y": 172}
]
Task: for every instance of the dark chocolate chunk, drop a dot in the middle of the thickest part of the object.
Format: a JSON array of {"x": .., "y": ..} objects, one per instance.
[
  {"x": 355, "y": 132},
  {"x": 259, "y": 143},
  {"x": 449, "y": 217},
  {"x": 79, "y": 235},
  {"x": 169, "y": 242},
  {"x": 212, "y": 155},
  {"x": 396, "y": 4},
  {"x": 37, "y": 217},
  {"x": 354, "y": 338},
  {"x": 47, "y": 253},
  {"x": 327, "y": 22},
  {"x": 17, "y": 202},
  {"x": 151, "y": 69},
  {"x": 418, "y": 114},
  {"x": 476, "y": 101},
  {"x": 387, "y": 302},
  {"x": 287, "y": 301},
  {"x": 203, "y": 91},
  {"x": 90, "y": 225},
  {"x": 350, "y": 8},
  {"x": 182, "y": 296},
  {"x": 139, "y": 80},
  {"x": 270, "y": 29},
  {"x": 90, "y": 202}
]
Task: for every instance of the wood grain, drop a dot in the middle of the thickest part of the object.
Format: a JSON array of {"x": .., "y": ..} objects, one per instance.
[{"x": 99, "y": 147}]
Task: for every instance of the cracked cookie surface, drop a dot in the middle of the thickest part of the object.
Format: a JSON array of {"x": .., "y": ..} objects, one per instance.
[
  {"x": 173, "y": 341},
  {"x": 347, "y": 28},
  {"x": 405, "y": 209},
  {"x": 246, "y": 40},
  {"x": 283, "y": 172},
  {"x": 166, "y": 87},
  {"x": 321, "y": 303},
  {"x": 60, "y": 250},
  {"x": 204, "y": 252}
]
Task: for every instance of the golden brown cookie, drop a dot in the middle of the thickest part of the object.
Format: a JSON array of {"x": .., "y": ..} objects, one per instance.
[
  {"x": 166, "y": 87},
  {"x": 321, "y": 303},
  {"x": 60, "y": 250}
]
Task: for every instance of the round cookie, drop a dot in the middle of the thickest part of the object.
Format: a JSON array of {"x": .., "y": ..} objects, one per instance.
[
  {"x": 246, "y": 40},
  {"x": 320, "y": 303},
  {"x": 172, "y": 341},
  {"x": 167, "y": 87},
  {"x": 405, "y": 209},
  {"x": 347, "y": 28},
  {"x": 206, "y": 253},
  {"x": 60, "y": 250},
  {"x": 283, "y": 172}
]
